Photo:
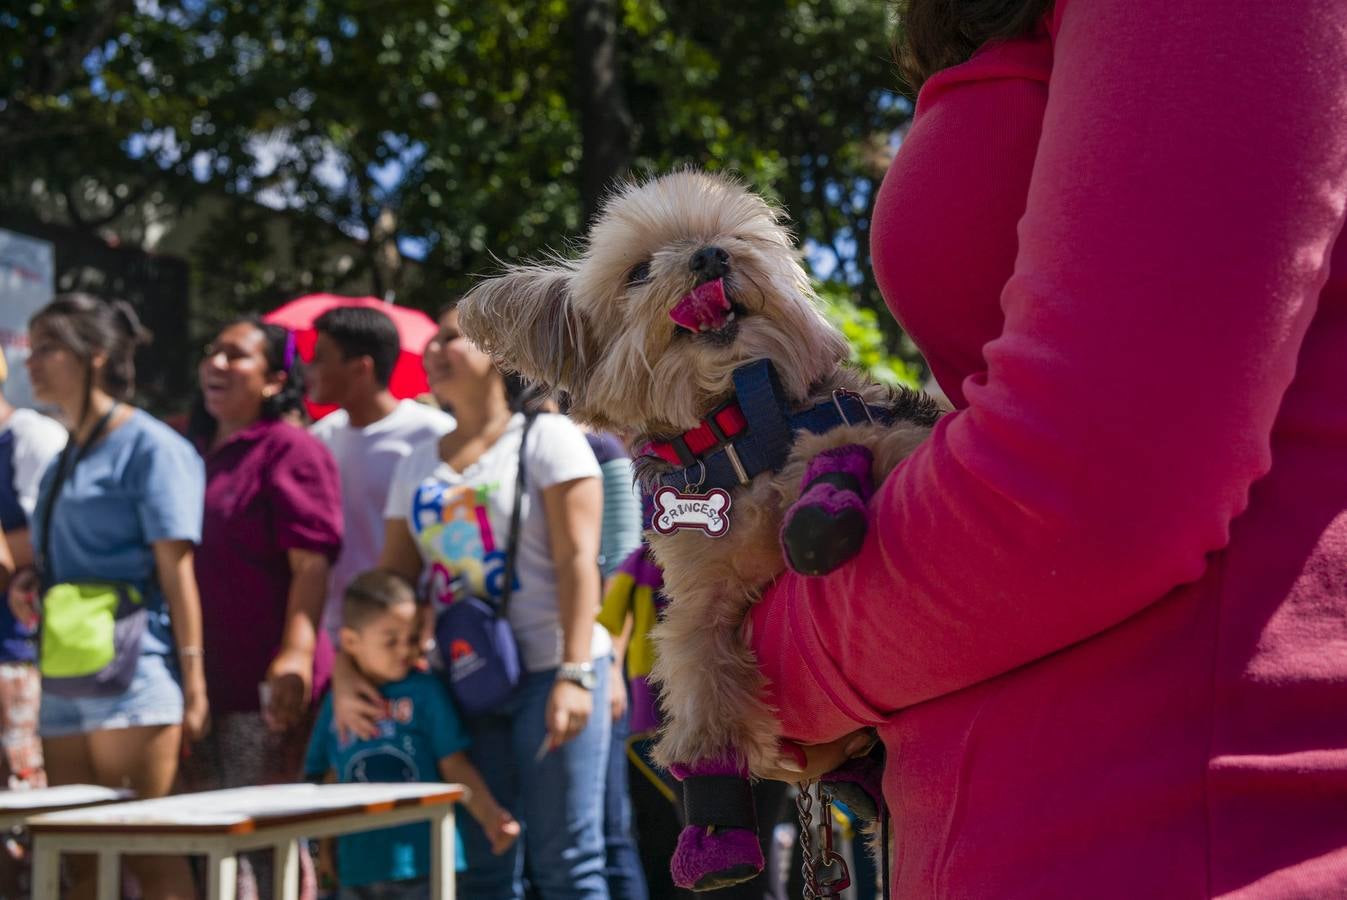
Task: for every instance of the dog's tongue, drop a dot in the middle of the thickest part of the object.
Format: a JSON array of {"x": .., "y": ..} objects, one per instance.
[{"x": 704, "y": 307}]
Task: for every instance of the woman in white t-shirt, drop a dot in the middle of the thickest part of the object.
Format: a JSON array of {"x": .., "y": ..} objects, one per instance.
[{"x": 544, "y": 751}]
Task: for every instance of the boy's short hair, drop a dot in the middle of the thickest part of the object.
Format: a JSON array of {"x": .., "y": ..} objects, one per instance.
[
  {"x": 372, "y": 593},
  {"x": 362, "y": 331}
]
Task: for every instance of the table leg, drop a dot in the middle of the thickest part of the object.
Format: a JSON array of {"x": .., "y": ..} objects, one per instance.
[
  {"x": 443, "y": 855},
  {"x": 222, "y": 872},
  {"x": 285, "y": 871},
  {"x": 46, "y": 869},
  {"x": 109, "y": 875}
]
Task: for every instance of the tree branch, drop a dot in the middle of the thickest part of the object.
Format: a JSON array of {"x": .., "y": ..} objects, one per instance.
[
  {"x": 605, "y": 121},
  {"x": 66, "y": 58}
]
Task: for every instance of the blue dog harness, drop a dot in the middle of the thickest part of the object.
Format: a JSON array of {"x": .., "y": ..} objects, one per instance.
[{"x": 763, "y": 445}]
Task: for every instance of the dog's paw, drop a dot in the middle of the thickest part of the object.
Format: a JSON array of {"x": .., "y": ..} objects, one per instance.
[
  {"x": 711, "y": 859},
  {"x": 718, "y": 845},
  {"x": 827, "y": 525},
  {"x": 823, "y": 530},
  {"x": 846, "y": 467}
]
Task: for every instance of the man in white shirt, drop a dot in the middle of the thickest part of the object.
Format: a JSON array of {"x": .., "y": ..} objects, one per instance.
[{"x": 352, "y": 363}]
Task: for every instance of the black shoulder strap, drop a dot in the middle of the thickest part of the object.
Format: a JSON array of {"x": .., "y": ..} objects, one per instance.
[
  {"x": 512, "y": 546},
  {"x": 64, "y": 467}
]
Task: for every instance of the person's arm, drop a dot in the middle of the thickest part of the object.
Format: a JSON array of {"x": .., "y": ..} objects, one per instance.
[
  {"x": 573, "y": 510},
  {"x": 35, "y": 449},
  {"x": 621, "y": 532},
  {"x": 290, "y": 675},
  {"x": 16, "y": 556},
  {"x": 617, "y": 682},
  {"x": 304, "y": 493},
  {"x": 356, "y": 704},
  {"x": 7, "y": 562},
  {"x": 20, "y": 547},
  {"x": 1170, "y": 260},
  {"x": 177, "y": 579},
  {"x": 400, "y": 554},
  {"x": 170, "y": 481},
  {"x": 501, "y": 828}
]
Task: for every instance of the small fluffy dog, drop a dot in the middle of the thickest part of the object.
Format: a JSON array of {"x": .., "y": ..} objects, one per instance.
[{"x": 688, "y": 325}]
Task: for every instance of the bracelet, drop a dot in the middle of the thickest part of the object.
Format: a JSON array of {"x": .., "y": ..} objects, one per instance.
[{"x": 191, "y": 651}]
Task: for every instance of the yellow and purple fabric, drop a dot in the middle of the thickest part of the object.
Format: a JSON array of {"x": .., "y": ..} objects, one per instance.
[{"x": 635, "y": 591}]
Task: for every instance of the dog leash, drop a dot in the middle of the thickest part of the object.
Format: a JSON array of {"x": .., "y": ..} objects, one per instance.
[{"x": 825, "y": 858}]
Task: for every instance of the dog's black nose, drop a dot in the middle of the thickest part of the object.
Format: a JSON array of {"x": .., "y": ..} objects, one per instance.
[{"x": 709, "y": 263}]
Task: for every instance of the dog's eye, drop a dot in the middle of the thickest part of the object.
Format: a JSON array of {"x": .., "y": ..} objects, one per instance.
[{"x": 639, "y": 274}]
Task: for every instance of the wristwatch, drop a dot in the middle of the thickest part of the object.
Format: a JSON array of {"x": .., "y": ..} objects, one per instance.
[{"x": 581, "y": 673}]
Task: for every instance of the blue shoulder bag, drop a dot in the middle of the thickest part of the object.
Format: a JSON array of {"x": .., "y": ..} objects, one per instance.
[{"x": 478, "y": 649}]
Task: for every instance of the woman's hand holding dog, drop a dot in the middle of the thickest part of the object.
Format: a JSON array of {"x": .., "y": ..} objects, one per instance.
[{"x": 801, "y": 762}]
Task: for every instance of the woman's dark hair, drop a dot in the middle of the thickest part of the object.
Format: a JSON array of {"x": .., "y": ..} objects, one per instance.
[
  {"x": 522, "y": 395},
  {"x": 88, "y": 326},
  {"x": 937, "y": 34},
  {"x": 278, "y": 347}
]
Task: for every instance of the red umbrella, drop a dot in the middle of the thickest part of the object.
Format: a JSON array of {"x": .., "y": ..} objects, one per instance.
[{"x": 415, "y": 329}]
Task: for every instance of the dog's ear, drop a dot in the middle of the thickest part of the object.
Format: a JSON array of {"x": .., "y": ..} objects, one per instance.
[{"x": 526, "y": 320}]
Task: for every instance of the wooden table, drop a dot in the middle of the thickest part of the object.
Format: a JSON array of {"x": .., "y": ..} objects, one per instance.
[
  {"x": 18, "y": 805},
  {"x": 221, "y": 824}
]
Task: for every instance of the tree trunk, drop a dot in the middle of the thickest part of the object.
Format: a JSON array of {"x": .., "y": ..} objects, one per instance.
[{"x": 605, "y": 121}]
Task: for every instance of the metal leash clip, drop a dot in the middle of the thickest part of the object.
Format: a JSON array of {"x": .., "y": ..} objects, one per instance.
[{"x": 826, "y": 858}]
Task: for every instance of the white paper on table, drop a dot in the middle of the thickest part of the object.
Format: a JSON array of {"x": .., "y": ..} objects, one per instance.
[
  {"x": 63, "y": 795},
  {"x": 236, "y": 805}
]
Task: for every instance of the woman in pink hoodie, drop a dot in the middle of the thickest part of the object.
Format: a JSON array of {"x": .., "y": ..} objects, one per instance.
[{"x": 1100, "y": 621}]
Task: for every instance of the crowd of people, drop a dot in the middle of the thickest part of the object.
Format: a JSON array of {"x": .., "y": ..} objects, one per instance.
[
  {"x": 1100, "y": 637},
  {"x": 271, "y": 589}
]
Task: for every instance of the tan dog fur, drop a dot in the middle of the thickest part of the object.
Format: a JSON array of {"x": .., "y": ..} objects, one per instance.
[{"x": 581, "y": 326}]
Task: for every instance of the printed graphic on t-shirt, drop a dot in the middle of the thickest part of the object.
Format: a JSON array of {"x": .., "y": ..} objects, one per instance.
[
  {"x": 453, "y": 525},
  {"x": 387, "y": 762}
]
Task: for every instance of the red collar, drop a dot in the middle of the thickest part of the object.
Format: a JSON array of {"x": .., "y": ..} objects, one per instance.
[{"x": 720, "y": 427}]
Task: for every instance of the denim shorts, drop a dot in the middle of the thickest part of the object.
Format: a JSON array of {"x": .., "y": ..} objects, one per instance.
[{"x": 154, "y": 698}]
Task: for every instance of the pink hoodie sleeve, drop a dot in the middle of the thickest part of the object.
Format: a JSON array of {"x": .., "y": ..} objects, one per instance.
[{"x": 1190, "y": 182}]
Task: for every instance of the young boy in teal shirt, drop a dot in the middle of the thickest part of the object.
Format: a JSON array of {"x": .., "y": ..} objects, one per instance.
[{"x": 420, "y": 739}]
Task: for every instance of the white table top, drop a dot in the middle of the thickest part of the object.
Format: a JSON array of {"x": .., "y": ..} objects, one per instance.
[
  {"x": 245, "y": 809},
  {"x": 60, "y": 797}
]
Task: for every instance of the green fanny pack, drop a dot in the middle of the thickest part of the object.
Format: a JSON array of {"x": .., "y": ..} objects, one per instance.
[
  {"x": 90, "y": 637},
  {"x": 91, "y": 631}
]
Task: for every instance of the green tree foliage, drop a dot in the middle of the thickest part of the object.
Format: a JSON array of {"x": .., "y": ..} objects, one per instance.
[
  {"x": 799, "y": 96},
  {"x": 449, "y": 131},
  {"x": 871, "y": 351}
]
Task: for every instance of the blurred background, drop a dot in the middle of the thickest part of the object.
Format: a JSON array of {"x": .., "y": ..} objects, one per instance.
[{"x": 205, "y": 158}]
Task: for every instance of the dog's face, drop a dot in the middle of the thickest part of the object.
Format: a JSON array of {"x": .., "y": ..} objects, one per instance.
[{"x": 683, "y": 279}]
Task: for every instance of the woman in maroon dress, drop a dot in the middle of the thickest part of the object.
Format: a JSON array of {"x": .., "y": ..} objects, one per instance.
[{"x": 272, "y": 528}]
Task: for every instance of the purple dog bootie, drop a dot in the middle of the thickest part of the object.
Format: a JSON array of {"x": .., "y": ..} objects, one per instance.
[
  {"x": 719, "y": 845},
  {"x": 827, "y": 525}
]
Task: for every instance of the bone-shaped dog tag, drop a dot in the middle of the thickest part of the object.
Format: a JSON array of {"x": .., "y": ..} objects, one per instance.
[{"x": 685, "y": 510}]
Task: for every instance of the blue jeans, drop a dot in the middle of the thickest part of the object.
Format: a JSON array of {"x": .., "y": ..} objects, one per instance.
[
  {"x": 558, "y": 800},
  {"x": 626, "y": 878}
]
